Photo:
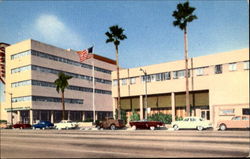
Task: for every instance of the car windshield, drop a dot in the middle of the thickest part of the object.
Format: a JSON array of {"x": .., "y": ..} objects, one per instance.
[
  {"x": 236, "y": 118},
  {"x": 186, "y": 119}
]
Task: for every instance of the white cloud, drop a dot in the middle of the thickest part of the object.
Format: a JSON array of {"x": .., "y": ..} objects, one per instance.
[{"x": 53, "y": 31}]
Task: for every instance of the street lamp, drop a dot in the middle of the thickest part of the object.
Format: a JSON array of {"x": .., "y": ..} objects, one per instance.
[
  {"x": 146, "y": 101},
  {"x": 10, "y": 107}
]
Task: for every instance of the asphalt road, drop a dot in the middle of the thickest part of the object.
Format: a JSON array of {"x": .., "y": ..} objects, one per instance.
[{"x": 123, "y": 144}]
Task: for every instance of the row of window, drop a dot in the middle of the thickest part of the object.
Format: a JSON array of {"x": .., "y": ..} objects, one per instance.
[
  {"x": 53, "y": 71},
  {"x": 179, "y": 74},
  {"x": 50, "y": 84},
  {"x": 57, "y": 58},
  {"x": 46, "y": 99}
]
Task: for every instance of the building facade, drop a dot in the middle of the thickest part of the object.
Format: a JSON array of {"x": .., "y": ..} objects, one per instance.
[
  {"x": 218, "y": 86},
  {"x": 31, "y": 69}
]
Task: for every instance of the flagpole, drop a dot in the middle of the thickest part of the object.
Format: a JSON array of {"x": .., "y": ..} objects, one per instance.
[{"x": 93, "y": 85}]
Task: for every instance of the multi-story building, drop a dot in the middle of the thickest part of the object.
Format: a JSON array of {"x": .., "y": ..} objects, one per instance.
[
  {"x": 218, "y": 85},
  {"x": 2, "y": 73},
  {"x": 2, "y": 61},
  {"x": 31, "y": 69}
]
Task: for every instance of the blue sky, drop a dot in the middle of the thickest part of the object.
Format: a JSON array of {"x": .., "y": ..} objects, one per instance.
[{"x": 222, "y": 25}]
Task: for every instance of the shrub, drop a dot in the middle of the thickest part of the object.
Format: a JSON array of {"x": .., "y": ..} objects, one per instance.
[
  {"x": 165, "y": 118},
  {"x": 134, "y": 116},
  {"x": 124, "y": 116},
  {"x": 178, "y": 118}
]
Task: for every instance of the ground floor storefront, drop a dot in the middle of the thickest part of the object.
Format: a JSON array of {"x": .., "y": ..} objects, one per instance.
[
  {"x": 55, "y": 116},
  {"x": 174, "y": 105}
]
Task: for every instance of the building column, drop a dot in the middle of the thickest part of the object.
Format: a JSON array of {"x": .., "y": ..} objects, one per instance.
[
  {"x": 173, "y": 106},
  {"x": 52, "y": 116},
  {"x": 141, "y": 107},
  {"x": 18, "y": 116},
  {"x": 114, "y": 107},
  {"x": 68, "y": 115},
  {"x": 31, "y": 117},
  {"x": 83, "y": 116}
]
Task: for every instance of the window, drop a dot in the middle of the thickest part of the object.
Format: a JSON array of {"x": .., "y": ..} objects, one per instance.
[
  {"x": 218, "y": 69},
  {"x": 132, "y": 80},
  {"x": 192, "y": 119},
  {"x": 158, "y": 77},
  {"x": 199, "y": 71},
  {"x": 236, "y": 118},
  {"x": 246, "y": 65},
  {"x": 124, "y": 81},
  {"x": 167, "y": 76},
  {"x": 179, "y": 74},
  {"x": 226, "y": 112},
  {"x": 152, "y": 78},
  {"x": 187, "y": 119},
  {"x": 246, "y": 111},
  {"x": 115, "y": 82},
  {"x": 232, "y": 67},
  {"x": 245, "y": 118}
]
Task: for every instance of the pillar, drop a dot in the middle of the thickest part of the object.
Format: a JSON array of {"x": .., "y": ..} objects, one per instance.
[
  {"x": 68, "y": 115},
  {"x": 31, "y": 117},
  {"x": 18, "y": 116},
  {"x": 173, "y": 106},
  {"x": 141, "y": 107},
  {"x": 52, "y": 116},
  {"x": 83, "y": 116},
  {"x": 114, "y": 106}
]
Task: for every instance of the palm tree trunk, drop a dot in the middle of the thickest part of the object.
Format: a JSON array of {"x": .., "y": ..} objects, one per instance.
[
  {"x": 63, "y": 107},
  {"x": 118, "y": 84},
  {"x": 186, "y": 73}
]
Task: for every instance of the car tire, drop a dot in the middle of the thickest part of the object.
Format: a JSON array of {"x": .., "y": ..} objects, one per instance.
[
  {"x": 152, "y": 128},
  {"x": 223, "y": 127},
  {"x": 112, "y": 127},
  {"x": 43, "y": 128},
  {"x": 176, "y": 127},
  {"x": 200, "y": 128}
]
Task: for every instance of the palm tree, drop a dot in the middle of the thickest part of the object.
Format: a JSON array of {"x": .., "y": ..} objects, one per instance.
[
  {"x": 115, "y": 35},
  {"x": 62, "y": 83},
  {"x": 184, "y": 15}
]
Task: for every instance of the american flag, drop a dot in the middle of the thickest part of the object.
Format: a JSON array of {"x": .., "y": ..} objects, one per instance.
[{"x": 85, "y": 54}]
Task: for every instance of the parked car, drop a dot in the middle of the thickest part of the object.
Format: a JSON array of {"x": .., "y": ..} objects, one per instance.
[
  {"x": 235, "y": 122},
  {"x": 145, "y": 124},
  {"x": 21, "y": 125},
  {"x": 43, "y": 125},
  {"x": 65, "y": 124},
  {"x": 111, "y": 123},
  {"x": 191, "y": 123}
]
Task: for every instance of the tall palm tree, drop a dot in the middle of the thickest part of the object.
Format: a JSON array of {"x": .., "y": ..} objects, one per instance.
[
  {"x": 184, "y": 15},
  {"x": 116, "y": 35},
  {"x": 62, "y": 83}
]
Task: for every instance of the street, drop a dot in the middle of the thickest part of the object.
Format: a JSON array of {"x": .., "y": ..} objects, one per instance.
[{"x": 123, "y": 143}]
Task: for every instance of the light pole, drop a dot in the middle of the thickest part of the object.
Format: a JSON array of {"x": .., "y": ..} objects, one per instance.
[
  {"x": 146, "y": 100},
  {"x": 10, "y": 107}
]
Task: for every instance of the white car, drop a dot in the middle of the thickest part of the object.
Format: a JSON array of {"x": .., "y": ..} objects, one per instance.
[
  {"x": 191, "y": 123},
  {"x": 65, "y": 124}
]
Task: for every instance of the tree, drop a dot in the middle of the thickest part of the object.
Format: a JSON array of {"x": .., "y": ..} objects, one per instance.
[
  {"x": 184, "y": 15},
  {"x": 116, "y": 35},
  {"x": 62, "y": 83}
]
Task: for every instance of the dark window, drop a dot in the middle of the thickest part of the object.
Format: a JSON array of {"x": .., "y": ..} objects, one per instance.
[
  {"x": 246, "y": 111},
  {"x": 218, "y": 69}
]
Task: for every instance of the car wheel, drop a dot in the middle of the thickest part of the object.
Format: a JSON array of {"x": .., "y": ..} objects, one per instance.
[
  {"x": 200, "y": 128},
  {"x": 112, "y": 127},
  {"x": 43, "y": 128},
  {"x": 223, "y": 127},
  {"x": 176, "y": 127},
  {"x": 98, "y": 127},
  {"x": 152, "y": 128}
]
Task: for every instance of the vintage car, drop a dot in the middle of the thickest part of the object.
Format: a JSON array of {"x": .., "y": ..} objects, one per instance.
[
  {"x": 43, "y": 125},
  {"x": 235, "y": 122},
  {"x": 191, "y": 123},
  {"x": 111, "y": 123},
  {"x": 145, "y": 124},
  {"x": 21, "y": 125},
  {"x": 65, "y": 124}
]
